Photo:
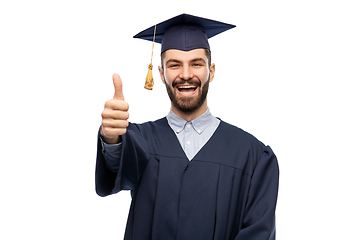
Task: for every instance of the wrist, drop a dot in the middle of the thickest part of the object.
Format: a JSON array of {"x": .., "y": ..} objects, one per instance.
[{"x": 108, "y": 139}]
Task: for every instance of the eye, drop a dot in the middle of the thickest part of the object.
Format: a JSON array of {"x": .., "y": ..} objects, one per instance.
[
  {"x": 198, "y": 64},
  {"x": 173, "y": 64}
]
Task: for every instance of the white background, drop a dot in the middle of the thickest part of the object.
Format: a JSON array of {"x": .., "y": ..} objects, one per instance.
[{"x": 288, "y": 73}]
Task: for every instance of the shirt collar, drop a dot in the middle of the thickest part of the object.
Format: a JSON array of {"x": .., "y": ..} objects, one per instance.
[{"x": 199, "y": 124}]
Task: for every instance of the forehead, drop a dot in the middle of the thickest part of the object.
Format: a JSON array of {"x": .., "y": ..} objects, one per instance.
[{"x": 185, "y": 55}]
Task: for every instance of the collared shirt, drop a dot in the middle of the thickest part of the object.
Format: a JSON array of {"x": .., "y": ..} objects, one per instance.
[{"x": 192, "y": 136}]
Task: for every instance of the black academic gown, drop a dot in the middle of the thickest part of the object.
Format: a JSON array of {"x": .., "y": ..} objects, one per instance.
[{"x": 227, "y": 191}]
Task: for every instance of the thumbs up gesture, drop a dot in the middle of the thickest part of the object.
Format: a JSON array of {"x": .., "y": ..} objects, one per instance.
[{"x": 115, "y": 114}]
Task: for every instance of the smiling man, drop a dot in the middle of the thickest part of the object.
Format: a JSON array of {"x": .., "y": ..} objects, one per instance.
[
  {"x": 191, "y": 175},
  {"x": 187, "y": 75}
]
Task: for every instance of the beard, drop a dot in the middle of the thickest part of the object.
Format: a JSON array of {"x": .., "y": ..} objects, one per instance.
[{"x": 188, "y": 104}]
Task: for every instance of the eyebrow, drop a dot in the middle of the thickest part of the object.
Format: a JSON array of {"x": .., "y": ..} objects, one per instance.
[
  {"x": 192, "y": 60},
  {"x": 198, "y": 59},
  {"x": 172, "y": 61}
]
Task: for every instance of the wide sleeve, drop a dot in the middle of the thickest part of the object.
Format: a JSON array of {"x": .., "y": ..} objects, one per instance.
[
  {"x": 259, "y": 219},
  {"x": 132, "y": 158}
]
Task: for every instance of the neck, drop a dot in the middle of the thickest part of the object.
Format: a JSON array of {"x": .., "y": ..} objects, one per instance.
[{"x": 189, "y": 116}]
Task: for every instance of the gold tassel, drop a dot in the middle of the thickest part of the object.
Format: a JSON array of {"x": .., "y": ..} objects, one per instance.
[{"x": 149, "y": 81}]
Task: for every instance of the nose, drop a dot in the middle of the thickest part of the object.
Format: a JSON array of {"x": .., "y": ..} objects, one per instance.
[{"x": 186, "y": 73}]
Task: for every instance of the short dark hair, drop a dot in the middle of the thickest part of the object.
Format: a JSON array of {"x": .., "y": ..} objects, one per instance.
[{"x": 207, "y": 53}]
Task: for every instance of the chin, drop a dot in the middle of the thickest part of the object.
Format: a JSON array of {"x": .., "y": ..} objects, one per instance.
[{"x": 188, "y": 102}]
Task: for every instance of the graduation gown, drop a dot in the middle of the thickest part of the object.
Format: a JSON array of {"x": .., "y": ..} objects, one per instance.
[{"x": 227, "y": 191}]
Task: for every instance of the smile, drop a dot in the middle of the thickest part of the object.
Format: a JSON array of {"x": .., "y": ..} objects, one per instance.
[{"x": 187, "y": 90}]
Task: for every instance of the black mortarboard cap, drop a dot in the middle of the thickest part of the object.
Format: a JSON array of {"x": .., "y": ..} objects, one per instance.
[{"x": 184, "y": 32}]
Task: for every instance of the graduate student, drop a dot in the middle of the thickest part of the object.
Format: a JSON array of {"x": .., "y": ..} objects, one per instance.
[{"x": 192, "y": 176}]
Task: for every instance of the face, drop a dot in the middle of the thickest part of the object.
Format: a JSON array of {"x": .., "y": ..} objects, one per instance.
[{"x": 186, "y": 75}]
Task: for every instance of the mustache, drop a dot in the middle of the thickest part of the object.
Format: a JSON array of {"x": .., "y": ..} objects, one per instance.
[{"x": 190, "y": 82}]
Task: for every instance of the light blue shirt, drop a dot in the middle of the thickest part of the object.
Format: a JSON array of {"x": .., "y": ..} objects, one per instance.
[{"x": 192, "y": 136}]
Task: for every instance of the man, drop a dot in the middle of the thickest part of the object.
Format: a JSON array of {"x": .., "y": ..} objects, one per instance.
[{"x": 191, "y": 175}]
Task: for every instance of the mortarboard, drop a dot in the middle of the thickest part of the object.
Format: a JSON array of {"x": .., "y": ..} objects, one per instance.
[{"x": 184, "y": 32}]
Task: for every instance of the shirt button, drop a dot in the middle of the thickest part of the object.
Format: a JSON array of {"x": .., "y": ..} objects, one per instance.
[
  {"x": 198, "y": 131},
  {"x": 188, "y": 142},
  {"x": 178, "y": 130},
  {"x": 189, "y": 125}
]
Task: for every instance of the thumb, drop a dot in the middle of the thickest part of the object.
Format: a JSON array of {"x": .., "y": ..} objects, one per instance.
[{"x": 118, "y": 87}]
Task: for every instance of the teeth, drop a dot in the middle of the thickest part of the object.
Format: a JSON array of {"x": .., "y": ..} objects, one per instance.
[{"x": 187, "y": 87}]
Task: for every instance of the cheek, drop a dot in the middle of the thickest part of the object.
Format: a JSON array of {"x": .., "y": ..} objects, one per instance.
[
  {"x": 203, "y": 76},
  {"x": 169, "y": 77}
]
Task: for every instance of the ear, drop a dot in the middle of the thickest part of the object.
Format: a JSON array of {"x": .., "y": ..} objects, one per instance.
[
  {"x": 161, "y": 71},
  {"x": 212, "y": 72}
]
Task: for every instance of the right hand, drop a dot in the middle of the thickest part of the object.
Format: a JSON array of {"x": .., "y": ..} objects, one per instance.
[{"x": 115, "y": 114}]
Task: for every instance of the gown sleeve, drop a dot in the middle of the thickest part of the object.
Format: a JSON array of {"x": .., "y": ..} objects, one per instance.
[
  {"x": 111, "y": 153},
  {"x": 132, "y": 159},
  {"x": 259, "y": 219}
]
